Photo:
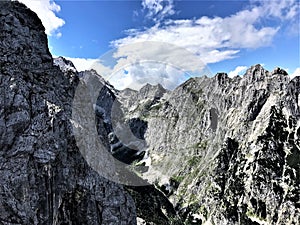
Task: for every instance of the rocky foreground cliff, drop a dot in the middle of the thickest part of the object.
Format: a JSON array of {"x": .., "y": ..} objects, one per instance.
[
  {"x": 215, "y": 150},
  {"x": 44, "y": 177}
]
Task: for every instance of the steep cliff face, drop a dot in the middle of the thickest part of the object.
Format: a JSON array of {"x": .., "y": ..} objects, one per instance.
[{"x": 44, "y": 178}]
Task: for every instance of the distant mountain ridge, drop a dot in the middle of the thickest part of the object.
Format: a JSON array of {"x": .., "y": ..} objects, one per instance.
[
  {"x": 223, "y": 150},
  {"x": 214, "y": 145}
]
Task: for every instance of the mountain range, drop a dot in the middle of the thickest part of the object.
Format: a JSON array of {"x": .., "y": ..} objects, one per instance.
[{"x": 74, "y": 150}]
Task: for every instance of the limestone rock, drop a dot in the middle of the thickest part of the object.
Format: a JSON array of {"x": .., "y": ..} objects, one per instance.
[
  {"x": 44, "y": 177},
  {"x": 222, "y": 150}
]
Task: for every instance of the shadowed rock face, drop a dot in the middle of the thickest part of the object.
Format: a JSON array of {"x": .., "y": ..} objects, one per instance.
[{"x": 44, "y": 178}]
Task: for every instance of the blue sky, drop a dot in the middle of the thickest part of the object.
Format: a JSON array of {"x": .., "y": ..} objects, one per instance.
[
  {"x": 225, "y": 36},
  {"x": 92, "y": 25}
]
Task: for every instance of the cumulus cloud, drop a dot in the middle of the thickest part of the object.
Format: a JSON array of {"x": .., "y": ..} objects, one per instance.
[
  {"x": 295, "y": 73},
  {"x": 168, "y": 51},
  {"x": 145, "y": 62},
  {"x": 158, "y": 9},
  {"x": 137, "y": 75},
  {"x": 82, "y": 64},
  {"x": 217, "y": 39},
  {"x": 209, "y": 39},
  {"x": 46, "y": 11},
  {"x": 159, "y": 52},
  {"x": 282, "y": 9},
  {"x": 239, "y": 70},
  {"x": 214, "y": 39},
  {"x": 154, "y": 62}
]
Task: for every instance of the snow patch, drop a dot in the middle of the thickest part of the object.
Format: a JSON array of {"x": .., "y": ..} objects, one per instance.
[{"x": 262, "y": 120}]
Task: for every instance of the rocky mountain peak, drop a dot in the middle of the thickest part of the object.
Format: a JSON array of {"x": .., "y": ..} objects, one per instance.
[
  {"x": 129, "y": 91},
  {"x": 44, "y": 177},
  {"x": 64, "y": 64},
  {"x": 278, "y": 70},
  {"x": 152, "y": 91},
  {"x": 258, "y": 68},
  {"x": 22, "y": 34},
  {"x": 256, "y": 73},
  {"x": 222, "y": 78}
]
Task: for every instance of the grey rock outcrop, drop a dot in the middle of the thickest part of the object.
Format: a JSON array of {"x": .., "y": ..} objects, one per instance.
[
  {"x": 44, "y": 177},
  {"x": 136, "y": 103}
]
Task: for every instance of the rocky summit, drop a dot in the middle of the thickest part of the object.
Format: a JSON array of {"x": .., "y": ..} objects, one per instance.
[{"x": 214, "y": 151}]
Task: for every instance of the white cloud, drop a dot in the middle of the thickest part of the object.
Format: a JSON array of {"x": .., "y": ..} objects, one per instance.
[
  {"x": 163, "y": 53},
  {"x": 237, "y": 71},
  {"x": 213, "y": 39},
  {"x": 282, "y": 9},
  {"x": 295, "y": 73},
  {"x": 145, "y": 62},
  {"x": 154, "y": 62},
  {"x": 204, "y": 40},
  {"x": 217, "y": 39},
  {"x": 138, "y": 75},
  {"x": 82, "y": 64},
  {"x": 46, "y": 11},
  {"x": 159, "y": 52},
  {"x": 158, "y": 9},
  {"x": 59, "y": 34}
]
